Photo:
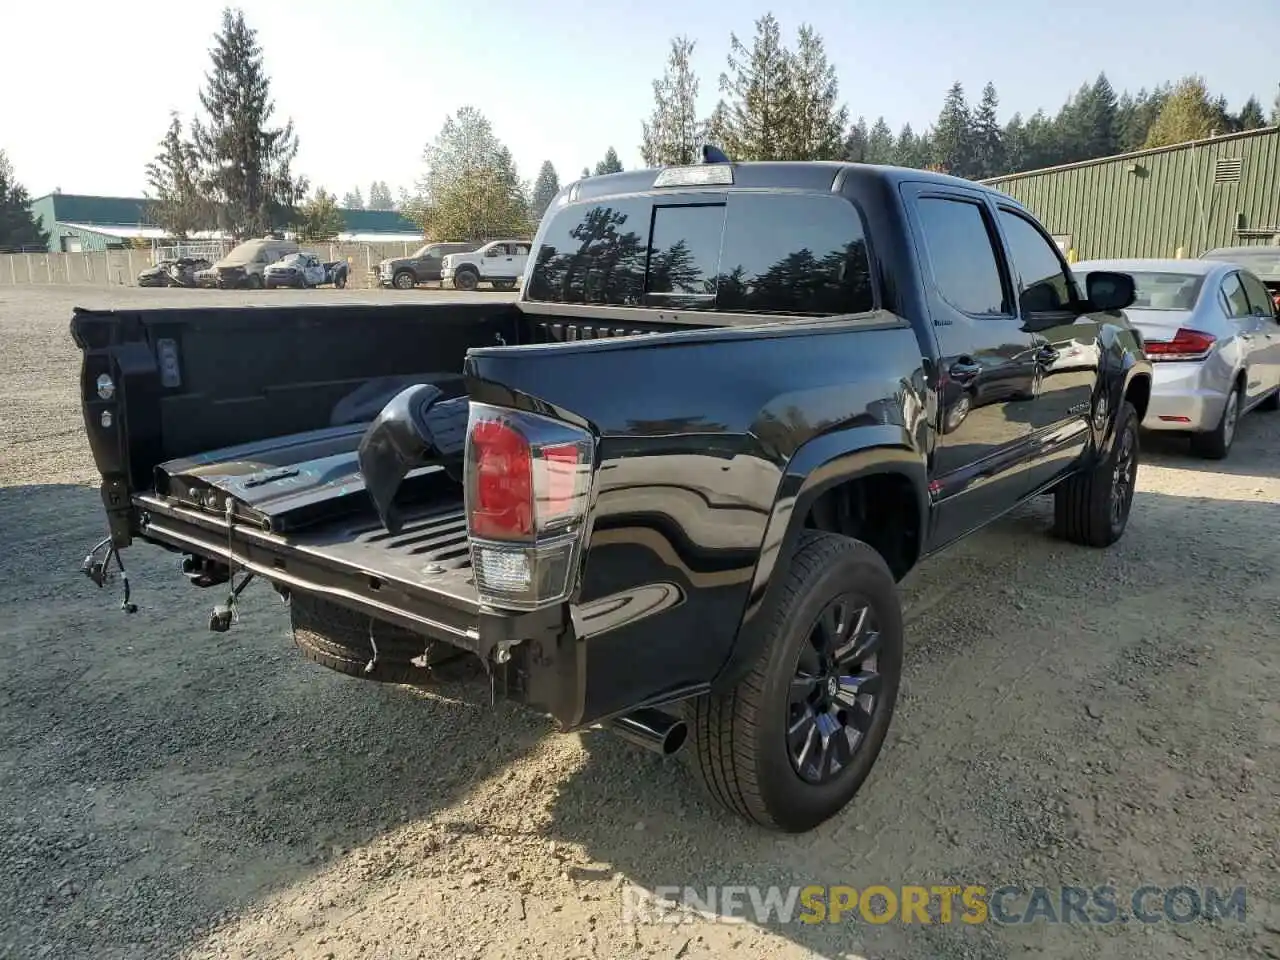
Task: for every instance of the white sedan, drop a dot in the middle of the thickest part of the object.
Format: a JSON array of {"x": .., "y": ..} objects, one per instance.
[{"x": 1213, "y": 337}]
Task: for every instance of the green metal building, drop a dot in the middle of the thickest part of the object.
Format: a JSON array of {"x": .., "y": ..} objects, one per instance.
[
  {"x": 1168, "y": 202},
  {"x": 78, "y": 223}
]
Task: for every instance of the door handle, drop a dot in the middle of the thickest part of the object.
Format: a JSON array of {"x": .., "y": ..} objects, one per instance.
[{"x": 1046, "y": 354}]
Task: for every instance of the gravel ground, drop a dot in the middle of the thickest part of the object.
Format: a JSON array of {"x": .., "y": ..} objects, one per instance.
[{"x": 1070, "y": 717}]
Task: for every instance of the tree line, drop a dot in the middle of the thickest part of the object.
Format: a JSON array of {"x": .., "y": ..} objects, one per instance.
[{"x": 779, "y": 102}]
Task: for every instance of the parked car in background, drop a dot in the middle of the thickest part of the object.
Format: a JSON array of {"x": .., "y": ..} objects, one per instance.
[
  {"x": 423, "y": 266},
  {"x": 1264, "y": 262},
  {"x": 246, "y": 264},
  {"x": 305, "y": 270},
  {"x": 1212, "y": 333},
  {"x": 500, "y": 263},
  {"x": 173, "y": 272}
]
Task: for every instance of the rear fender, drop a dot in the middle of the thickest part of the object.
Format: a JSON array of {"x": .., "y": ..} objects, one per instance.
[
  {"x": 1123, "y": 362},
  {"x": 816, "y": 467}
]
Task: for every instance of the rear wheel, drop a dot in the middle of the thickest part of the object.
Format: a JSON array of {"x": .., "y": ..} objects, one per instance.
[
  {"x": 340, "y": 281},
  {"x": 790, "y": 746},
  {"x": 1216, "y": 443},
  {"x": 255, "y": 281},
  {"x": 339, "y": 639},
  {"x": 1092, "y": 508},
  {"x": 504, "y": 284},
  {"x": 404, "y": 280}
]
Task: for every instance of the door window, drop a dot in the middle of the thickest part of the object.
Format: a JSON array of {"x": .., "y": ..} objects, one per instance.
[
  {"x": 959, "y": 247},
  {"x": 1237, "y": 301},
  {"x": 1260, "y": 300},
  {"x": 1046, "y": 286}
]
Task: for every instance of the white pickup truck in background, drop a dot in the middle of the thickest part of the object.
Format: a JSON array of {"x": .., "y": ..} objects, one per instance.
[{"x": 499, "y": 262}]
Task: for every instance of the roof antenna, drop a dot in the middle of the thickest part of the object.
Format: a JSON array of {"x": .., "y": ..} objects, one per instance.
[{"x": 713, "y": 154}]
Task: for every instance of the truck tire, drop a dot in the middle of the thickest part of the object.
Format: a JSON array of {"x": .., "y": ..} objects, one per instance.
[
  {"x": 1216, "y": 443},
  {"x": 1092, "y": 508},
  {"x": 504, "y": 285},
  {"x": 254, "y": 282},
  {"x": 338, "y": 638},
  {"x": 466, "y": 280},
  {"x": 754, "y": 747},
  {"x": 404, "y": 280},
  {"x": 340, "y": 281}
]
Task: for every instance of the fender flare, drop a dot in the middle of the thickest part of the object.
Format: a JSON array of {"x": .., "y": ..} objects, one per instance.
[
  {"x": 817, "y": 466},
  {"x": 1130, "y": 364}
]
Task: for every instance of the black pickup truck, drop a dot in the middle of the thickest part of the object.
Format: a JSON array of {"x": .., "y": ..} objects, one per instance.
[{"x": 671, "y": 489}]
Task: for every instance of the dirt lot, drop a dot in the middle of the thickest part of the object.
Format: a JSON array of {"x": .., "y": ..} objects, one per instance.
[{"x": 1071, "y": 717}]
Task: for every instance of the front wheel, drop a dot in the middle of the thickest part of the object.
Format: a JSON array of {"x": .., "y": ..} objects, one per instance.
[
  {"x": 791, "y": 745},
  {"x": 255, "y": 282},
  {"x": 466, "y": 280},
  {"x": 1092, "y": 508},
  {"x": 404, "y": 280}
]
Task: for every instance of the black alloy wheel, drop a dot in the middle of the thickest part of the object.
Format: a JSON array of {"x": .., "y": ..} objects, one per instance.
[{"x": 834, "y": 691}]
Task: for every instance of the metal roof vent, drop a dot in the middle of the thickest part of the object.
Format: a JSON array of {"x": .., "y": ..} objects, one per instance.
[{"x": 1227, "y": 170}]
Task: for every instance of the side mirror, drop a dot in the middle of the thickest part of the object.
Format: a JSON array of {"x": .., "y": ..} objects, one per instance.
[{"x": 1109, "y": 291}]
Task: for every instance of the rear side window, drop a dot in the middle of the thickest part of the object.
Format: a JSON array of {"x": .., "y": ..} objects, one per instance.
[
  {"x": 1237, "y": 301},
  {"x": 755, "y": 253},
  {"x": 800, "y": 255},
  {"x": 958, "y": 243},
  {"x": 1260, "y": 300}
]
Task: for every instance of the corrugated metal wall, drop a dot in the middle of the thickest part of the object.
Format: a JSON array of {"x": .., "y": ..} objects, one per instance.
[{"x": 1156, "y": 202}]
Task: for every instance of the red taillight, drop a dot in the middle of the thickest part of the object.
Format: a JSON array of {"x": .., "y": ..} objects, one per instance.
[
  {"x": 1185, "y": 345},
  {"x": 503, "y": 463},
  {"x": 528, "y": 483}
]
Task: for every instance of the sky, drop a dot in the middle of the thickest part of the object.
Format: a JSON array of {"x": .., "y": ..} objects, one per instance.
[{"x": 89, "y": 85}]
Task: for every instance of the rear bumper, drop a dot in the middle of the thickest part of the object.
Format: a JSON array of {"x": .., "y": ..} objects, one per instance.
[{"x": 1182, "y": 398}]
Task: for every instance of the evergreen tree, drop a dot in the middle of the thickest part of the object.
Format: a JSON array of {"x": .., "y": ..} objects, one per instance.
[
  {"x": 1014, "y": 138},
  {"x": 545, "y": 189},
  {"x": 1137, "y": 124},
  {"x": 245, "y": 163},
  {"x": 880, "y": 143},
  {"x": 671, "y": 135},
  {"x": 953, "y": 135},
  {"x": 715, "y": 129},
  {"x": 908, "y": 150},
  {"x": 175, "y": 200},
  {"x": 353, "y": 200},
  {"x": 319, "y": 218},
  {"x": 610, "y": 163},
  {"x": 18, "y": 228},
  {"x": 988, "y": 143},
  {"x": 380, "y": 196},
  {"x": 1251, "y": 116},
  {"x": 757, "y": 85},
  {"x": 815, "y": 117},
  {"x": 1275, "y": 110},
  {"x": 1188, "y": 114},
  {"x": 856, "y": 142}
]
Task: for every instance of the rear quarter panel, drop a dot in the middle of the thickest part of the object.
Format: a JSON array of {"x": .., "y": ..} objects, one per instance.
[{"x": 695, "y": 433}]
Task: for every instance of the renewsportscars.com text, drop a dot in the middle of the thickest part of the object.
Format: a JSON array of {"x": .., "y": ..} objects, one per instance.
[{"x": 933, "y": 904}]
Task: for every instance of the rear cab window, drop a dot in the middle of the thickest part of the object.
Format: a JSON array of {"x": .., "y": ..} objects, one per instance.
[{"x": 778, "y": 254}]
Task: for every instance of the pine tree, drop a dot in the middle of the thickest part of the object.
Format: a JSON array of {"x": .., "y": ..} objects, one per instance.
[
  {"x": 353, "y": 200},
  {"x": 953, "y": 135},
  {"x": 319, "y": 218},
  {"x": 671, "y": 135},
  {"x": 380, "y": 196},
  {"x": 1275, "y": 110},
  {"x": 18, "y": 228},
  {"x": 545, "y": 189},
  {"x": 816, "y": 118},
  {"x": 908, "y": 150},
  {"x": 1188, "y": 114},
  {"x": 988, "y": 142},
  {"x": 856, "y": 142},
  {"x": 880, "y": 143},
  {"x": 715, "y": 129},
  {"x": 757, "y": 86},
  {"x": 1251, "y": 116},
  {"x": 175, "y": 200},
  {"x": 245, "y": 163},
  {"x": 610, "y": 163},
  {"x": 1014, "y": 138}
]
